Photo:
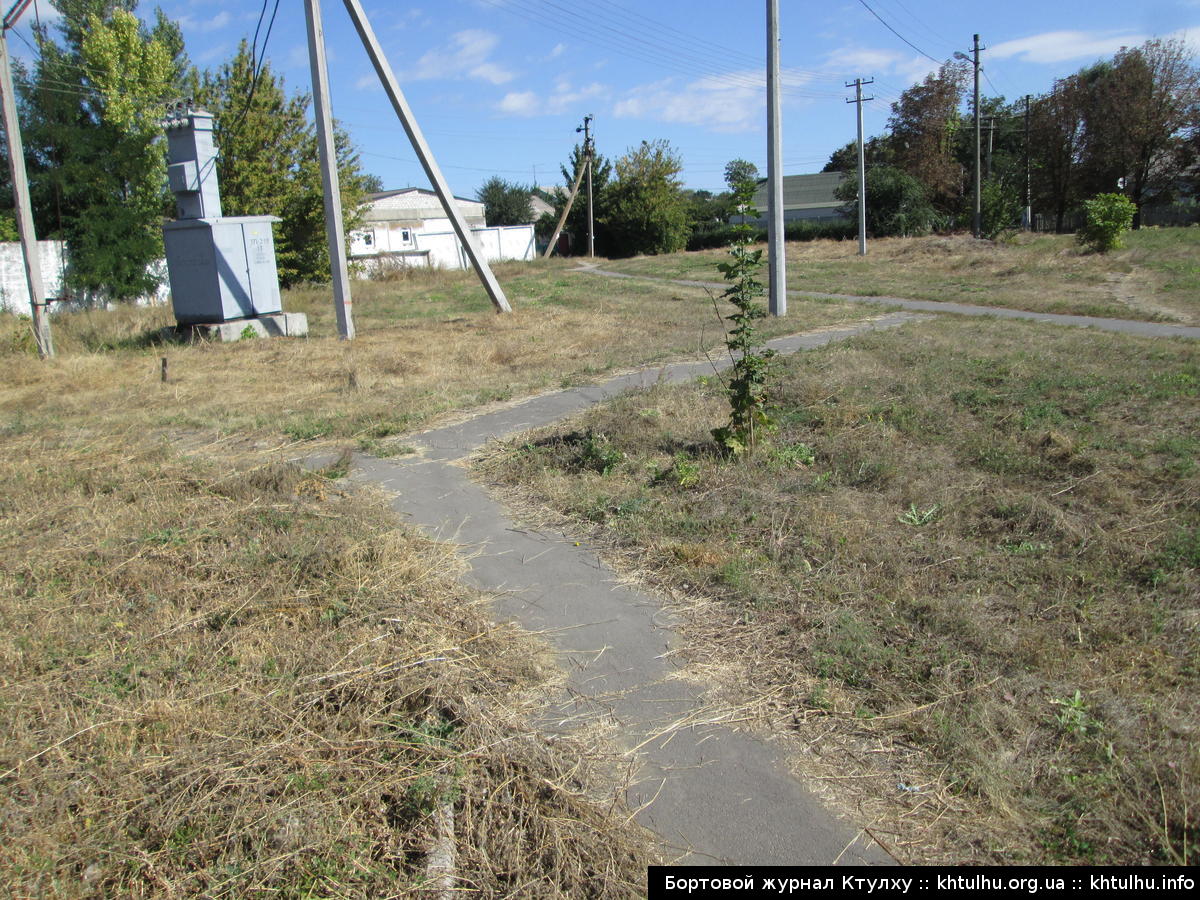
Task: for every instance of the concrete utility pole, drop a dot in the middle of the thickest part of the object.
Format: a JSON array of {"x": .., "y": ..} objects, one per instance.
[
  {"x": 16, "y": 163},
  {"x": 991, "y": 138},
  {"x": 1027, "y": 212},
  {"x": 415, "y": 136},
  {"x": 862, "y": 164},
  {"x": 588, "y": 155},
  {"x": 776, "y": 260},
  {"x": 334, "y": 231},
  {"x": 977, "y": 219}
]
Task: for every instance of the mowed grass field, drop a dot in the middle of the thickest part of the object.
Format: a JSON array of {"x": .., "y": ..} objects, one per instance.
[
  {"x": 220, "y": 674},
  {"x": 962, "y": 578},
  {"x": 1156, "y": 277}
]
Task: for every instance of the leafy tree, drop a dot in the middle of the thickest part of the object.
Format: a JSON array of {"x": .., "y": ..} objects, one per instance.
[
  {"x": 1000, "y": 207},
  {"x": 1056, "y": 135},
  {"x": 924, "y": 126},
  {"x": 505, "y": 203},
  {"x": 577, "y": 220},
  {"x": 707, "y": 210},
  {"x": 645, "y": 207},
  {"x": 92, "y": 106},
  {"x": 268, "y": 163},
  {"x": 738, "y": 172},
  {"x": 898, "y": 204},
  {"x": 1139, "y": 109},
  {"x": 877, "y": 151}
]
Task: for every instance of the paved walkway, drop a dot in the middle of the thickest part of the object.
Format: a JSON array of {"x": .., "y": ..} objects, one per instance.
[
  {"x": 715, "y": 795},
  {"x": 1121, "y": 326}
]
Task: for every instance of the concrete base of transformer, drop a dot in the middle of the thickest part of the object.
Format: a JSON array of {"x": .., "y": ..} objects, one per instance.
[{"x": 271, "y": 325}]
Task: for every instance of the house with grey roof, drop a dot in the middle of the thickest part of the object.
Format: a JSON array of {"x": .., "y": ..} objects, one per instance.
[{"x": 804, "y": 197}]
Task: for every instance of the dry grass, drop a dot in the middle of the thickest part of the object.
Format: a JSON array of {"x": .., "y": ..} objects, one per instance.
[
  {"x": 1156, "y": 278},
  {"x": 963, "y": 578},
  {"x": 427, "y": 346},
  {"x": 247, "y": 684}
]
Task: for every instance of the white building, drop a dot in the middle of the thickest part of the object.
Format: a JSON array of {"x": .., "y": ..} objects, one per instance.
[{"x": 410, "y": 226}]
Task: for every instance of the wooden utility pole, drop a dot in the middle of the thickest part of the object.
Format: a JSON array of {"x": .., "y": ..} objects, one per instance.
[
  {"x": 566, "y": 209},
  {"x": 24, "y": 209},
  {"x": 776, "y": 261},
  {"x": 367, "y": 35},
  {"x": 862, "y": 164},
  {"x": 334, "y": 231}
]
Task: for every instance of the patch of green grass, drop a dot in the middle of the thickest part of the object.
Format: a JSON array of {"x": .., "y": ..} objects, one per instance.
[{"x": 955, "y": 526}]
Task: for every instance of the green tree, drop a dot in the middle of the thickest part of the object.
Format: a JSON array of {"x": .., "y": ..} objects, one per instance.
[
  {"x": 645, "y": 208},
  {"x": 92, "y": 107},
  {"x": 268, "y": 163},
  {"x": 924, "y": 126},
  {"x": 738, "y": 172},
  {"x": 577, "y": 220},
  {"x": 897, "y": 203},
  {"x": 505, "y": 203}
]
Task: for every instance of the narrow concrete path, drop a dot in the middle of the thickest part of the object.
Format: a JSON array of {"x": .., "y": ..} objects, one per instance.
[
  {"x": 1121, "y": 326},
  {"x": 715, "y": 795}
]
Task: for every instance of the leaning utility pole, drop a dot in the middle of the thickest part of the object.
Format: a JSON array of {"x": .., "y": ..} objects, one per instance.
[
  {"x": 588, "y": 154},
  {"x": 1027, "y": 212},
  {"x": 16, "y": 164},
  {"x": 862, "y": 164},
  {"x": 776, "y": 261},
  {"x": 417, "y": 138},
  {"x": 566, "y": 209},
  {"x": 977, "y": 219},
  {"x": 334, "y": 231}
]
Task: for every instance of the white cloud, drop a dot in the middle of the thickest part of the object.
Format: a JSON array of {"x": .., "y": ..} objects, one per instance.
[
  {"x": 215, "y": 23},
  {"x": 564, "y": 98},
  {"x": 730, "y": 102},
  {"x": 466, "y": 56},
  {"x": 1062, "y": 46},
  {"x": 560, "y": 49}
]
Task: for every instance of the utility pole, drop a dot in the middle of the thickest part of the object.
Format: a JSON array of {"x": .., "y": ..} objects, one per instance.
[
  {"x": 334, "y": 230},
  {"x": 588, "y": 154},
  {"x": 16, "y": 164},
  {"x": 977, "y": 219},
  {"x": 1027, "y": 212},
  {"x": 417, "y": 138},
  {"x": 862, "y": 164},
  {"x": 776, "y": 260},
  {"x": 566, "y": 209}
]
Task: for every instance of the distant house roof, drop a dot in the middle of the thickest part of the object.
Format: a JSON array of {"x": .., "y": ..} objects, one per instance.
[
  {"x": 414, "y": 204},
  {"x": 803, "y": 192}
]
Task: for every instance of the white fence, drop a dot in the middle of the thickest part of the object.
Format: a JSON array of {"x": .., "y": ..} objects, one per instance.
[{"x": 14, "y": 290}]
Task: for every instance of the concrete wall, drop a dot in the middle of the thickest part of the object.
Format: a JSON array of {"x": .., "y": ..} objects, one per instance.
[
  {"x": 14, "y": 291},
  {"x": 442, "y": 249}
]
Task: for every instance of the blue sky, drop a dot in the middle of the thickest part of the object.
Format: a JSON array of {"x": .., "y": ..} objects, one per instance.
[{"x": 499, "y": 86}]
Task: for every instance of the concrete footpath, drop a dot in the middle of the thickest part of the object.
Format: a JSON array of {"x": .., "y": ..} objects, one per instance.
[
  {"x": 716, "y": 795},
  {"x": 1120, "y": 326}
]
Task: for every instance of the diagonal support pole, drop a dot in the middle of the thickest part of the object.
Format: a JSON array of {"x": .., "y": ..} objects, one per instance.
[
  {"x": 428, "y": 163},
  {"x": 334, "y": 233},
  {"x": 562, "y": 220}
]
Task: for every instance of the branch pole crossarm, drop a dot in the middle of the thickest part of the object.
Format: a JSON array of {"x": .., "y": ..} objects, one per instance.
[
  {"x": 384, "y": 70},
  {"x": 24, "y": 210},
  {"x": 562, "y": 219},
  {"x": 334, "y": 231}
]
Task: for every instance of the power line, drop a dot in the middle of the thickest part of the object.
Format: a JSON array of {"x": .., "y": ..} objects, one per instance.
[{"x": 898, "y": 34}]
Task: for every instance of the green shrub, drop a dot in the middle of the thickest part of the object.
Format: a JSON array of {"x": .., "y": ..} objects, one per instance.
[{"x": 1106, "y": 218}]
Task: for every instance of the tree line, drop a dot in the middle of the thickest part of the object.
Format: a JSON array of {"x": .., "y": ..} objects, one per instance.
[
  {"x": 91, "y": 108},
  {"x": 1130, "y": 123},
  {"x": 639, "y": 202}
]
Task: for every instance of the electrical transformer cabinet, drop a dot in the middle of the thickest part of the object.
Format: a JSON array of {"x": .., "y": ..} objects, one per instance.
[{"x": 222, "y": 268}]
